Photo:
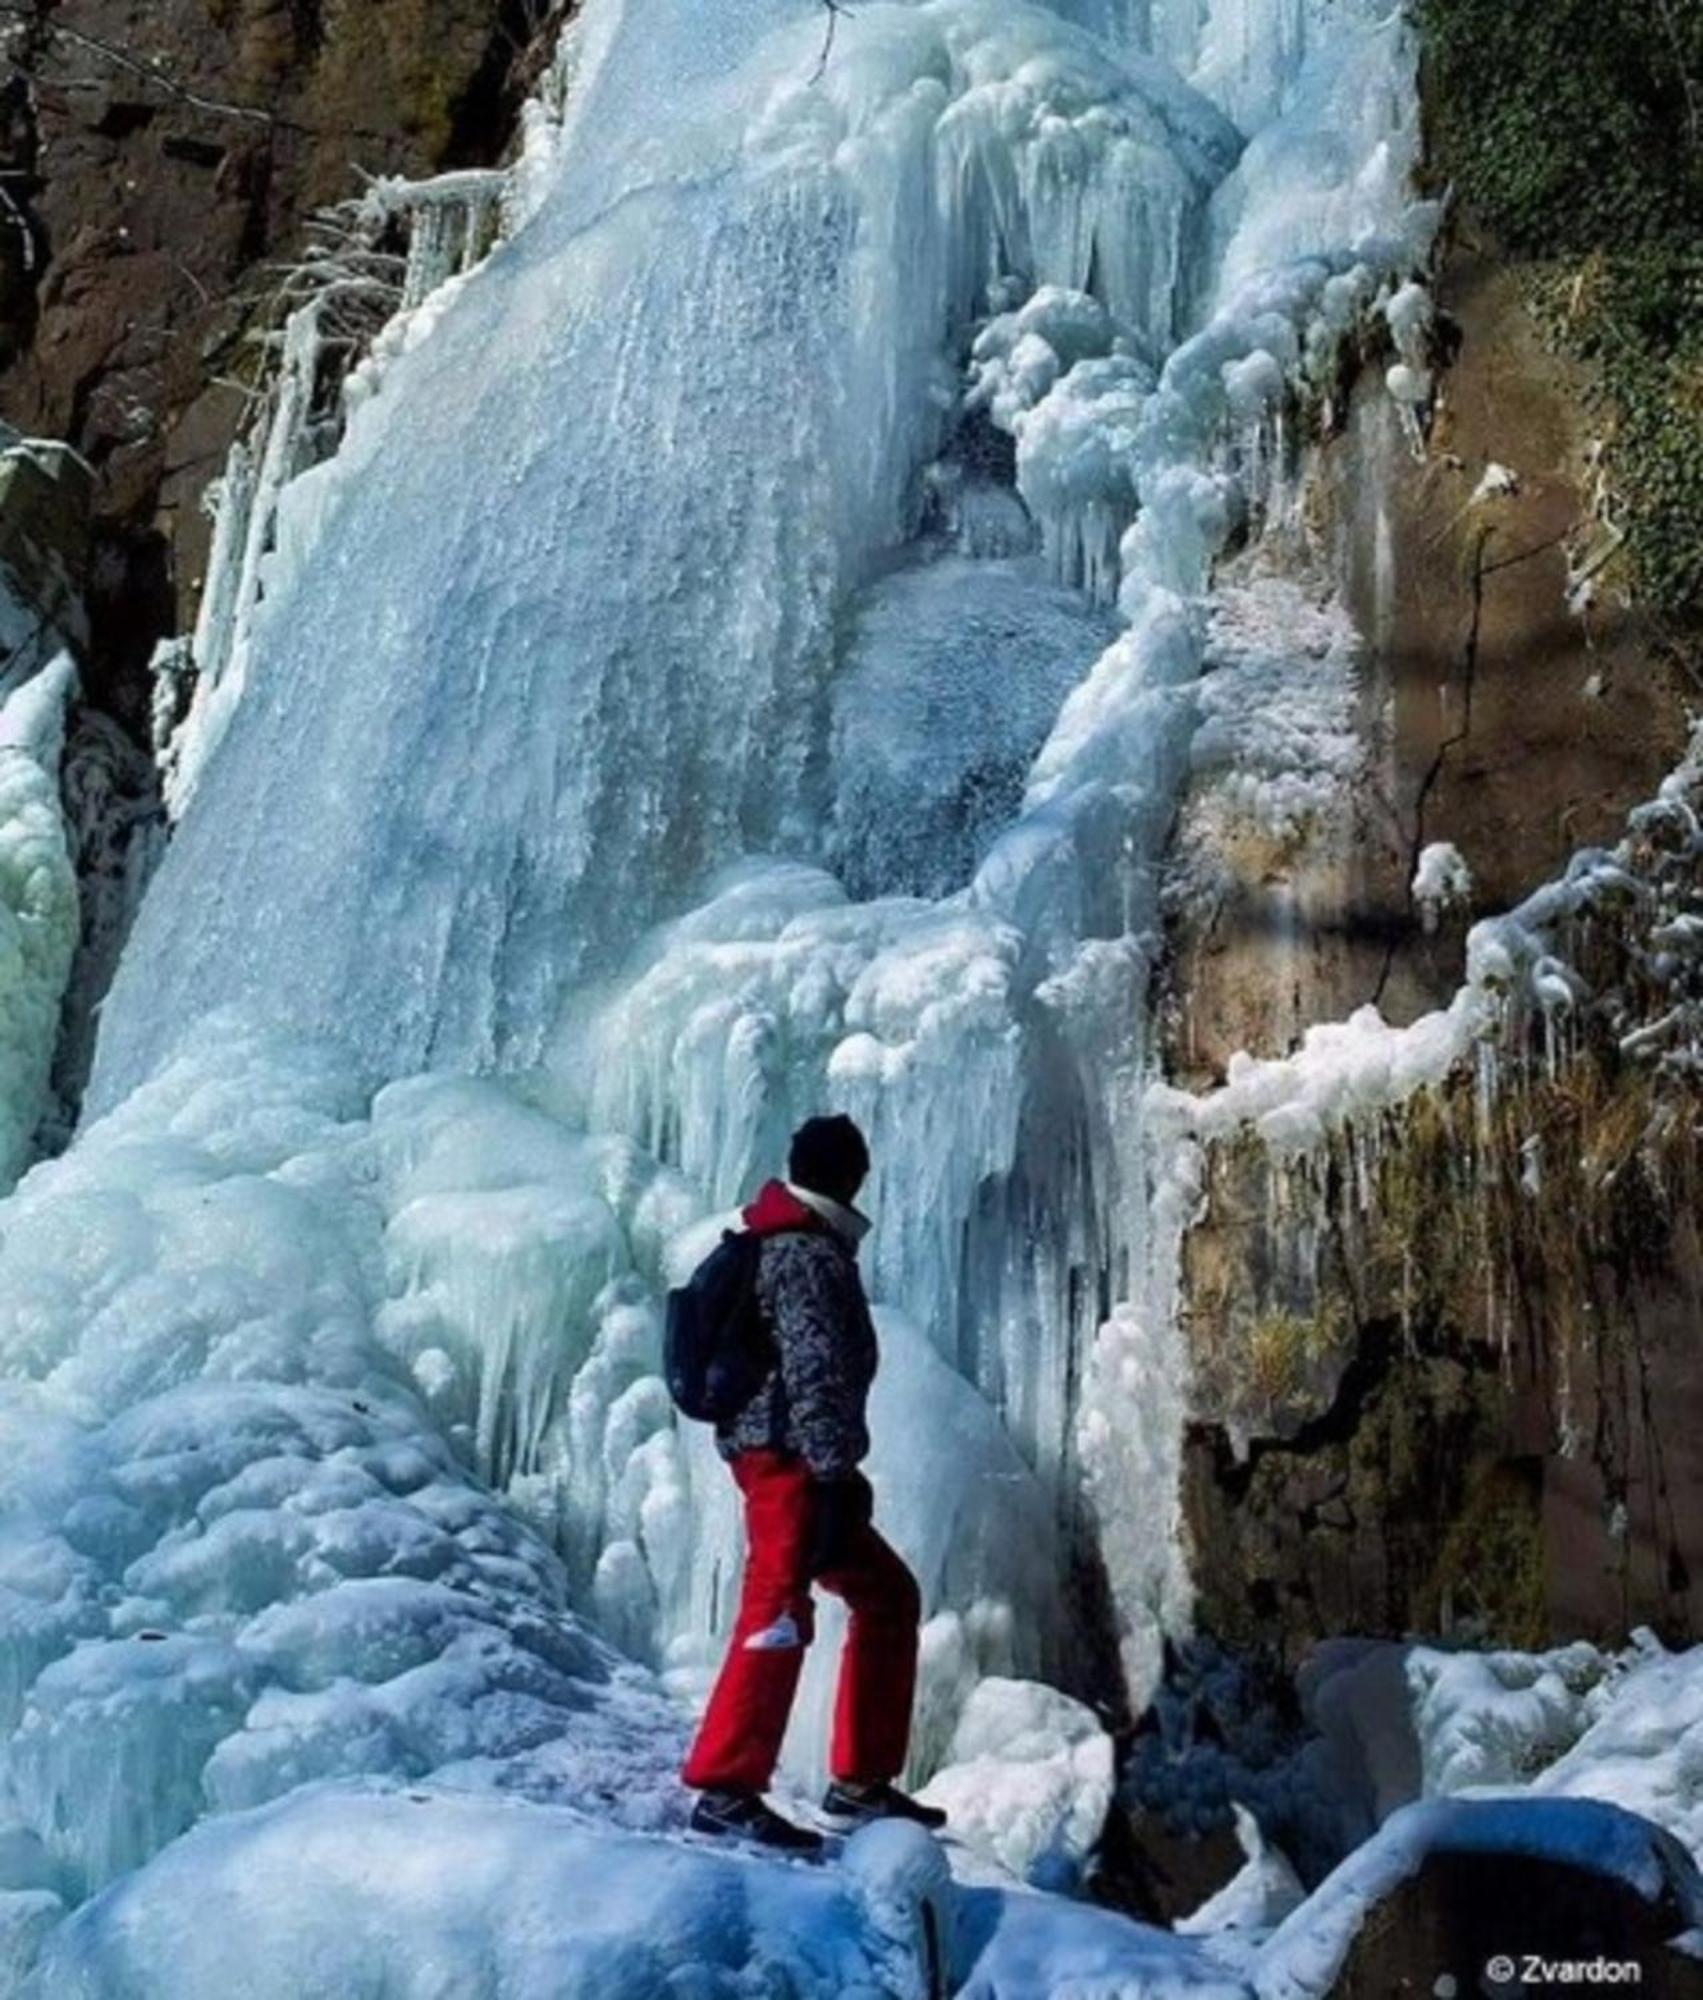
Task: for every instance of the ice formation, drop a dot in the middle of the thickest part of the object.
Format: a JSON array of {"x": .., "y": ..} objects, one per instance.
[
  {"x": 950, "y": 682},
  {"x": 1027, "y": 1777},
  {"x": 603, "y": 771},
  {"x": 1497, "y": 482},
  {"x": 1520, "y": 972},
  {"x": 38, "y": 903},
  {"x": 238, "y": 1555},
  {"x": 1262, "y": 1892},
  {"x": 1277, "y": 747},
  {"x": 1441, "y": 882},
  {"x": 953, "y": 143},
  {"x": 1574, "y": 1723},
  {"x": 313, "y": 1894}
]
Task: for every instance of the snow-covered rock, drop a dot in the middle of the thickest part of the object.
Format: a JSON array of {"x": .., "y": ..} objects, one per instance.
[
  {"x": 344, "y": 1890},
  {"x": 1028, "y": 1778},
  {"x": 1256, "y": 1899},
  {"x": 1305, "y": 1955}
]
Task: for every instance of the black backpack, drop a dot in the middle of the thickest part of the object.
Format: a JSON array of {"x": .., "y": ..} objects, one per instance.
[{"x": 716, "y": 1348}]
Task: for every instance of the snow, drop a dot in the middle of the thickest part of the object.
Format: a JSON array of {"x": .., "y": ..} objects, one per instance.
[
  {"x": 1499, "y": 1718},
  {"x": 516, "y": 1900},
  {"x": 1256, "y": 1899},
  {"x": 1574, "y": 1723},
  {"x": 1013, "y": 1947},
  {"x": 1496, "y": 482},
  {"x": 1441, "y": 882},
  {"x": 1644, "y": 1746},
  {"x": 1027, "y": 1778},
  {"x": 1343, "y": 1070},
  {"x": 510, "y": 1901},
  {"x": 1348, "y": 1072}
]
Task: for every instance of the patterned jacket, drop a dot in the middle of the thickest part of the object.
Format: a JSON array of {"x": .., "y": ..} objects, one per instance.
[{"x": 813, "y": 1402}]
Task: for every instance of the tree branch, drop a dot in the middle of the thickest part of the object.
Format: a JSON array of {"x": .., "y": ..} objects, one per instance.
[
  {"x": 147, "y": 73},
  {"x": 834, "y": 9}
]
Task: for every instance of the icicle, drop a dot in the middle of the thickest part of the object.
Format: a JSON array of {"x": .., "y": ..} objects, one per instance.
[{"x": 245, "y": 510}]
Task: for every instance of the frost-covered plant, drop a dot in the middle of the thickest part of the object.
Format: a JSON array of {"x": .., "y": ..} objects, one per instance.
[
  {"x": 337, "y": 317},
  {"x": 1283, "y": 1347}
]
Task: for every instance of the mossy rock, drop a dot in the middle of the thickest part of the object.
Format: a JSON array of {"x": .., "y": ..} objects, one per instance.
[{"x": 1573, "y": 133}]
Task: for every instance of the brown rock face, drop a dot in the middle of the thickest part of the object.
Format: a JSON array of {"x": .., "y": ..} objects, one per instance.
[
  {"x": 1517, "y": 728},
  {"x": 1436, "y": 1395},
  {"x": 1492, "y": 716},
  {"x": 161, "y": 155}
]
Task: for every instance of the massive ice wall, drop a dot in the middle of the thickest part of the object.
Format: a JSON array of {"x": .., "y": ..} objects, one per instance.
[
  {"x": 755, "y": 575},
  {"x": 545, "y": 703}
]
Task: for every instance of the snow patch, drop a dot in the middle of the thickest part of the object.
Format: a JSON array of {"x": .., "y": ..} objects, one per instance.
[
  {"x": 1028, "y": 1778},
  {"x": 1441, "y": 882}
]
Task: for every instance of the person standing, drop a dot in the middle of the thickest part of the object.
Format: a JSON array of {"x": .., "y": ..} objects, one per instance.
[{"x": 794, "y": 1450}]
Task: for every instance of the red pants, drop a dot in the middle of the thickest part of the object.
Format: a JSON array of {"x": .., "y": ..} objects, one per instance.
[{"x": 739, "y": 1741}]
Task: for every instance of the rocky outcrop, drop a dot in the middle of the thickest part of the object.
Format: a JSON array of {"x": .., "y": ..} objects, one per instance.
[
  {"x": 160, "y": 162},
  {"x": 1429, "y": 1398},
  {"x": 1490, "y": 713},
  {"x": 46, "y": 498},
  {"x": 1512, "y": 1897}
]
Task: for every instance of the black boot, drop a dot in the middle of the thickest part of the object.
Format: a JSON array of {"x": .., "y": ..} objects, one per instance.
[
  {"x": 744, "y": 1815},
  {"x": 862, "y": 1803}
]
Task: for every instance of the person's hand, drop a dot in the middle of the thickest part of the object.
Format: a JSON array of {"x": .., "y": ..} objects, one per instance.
[{"x": 840, "y": 1510}]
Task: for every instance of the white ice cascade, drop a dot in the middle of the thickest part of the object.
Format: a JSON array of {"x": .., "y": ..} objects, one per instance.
[{"x": 741, "y": 661}]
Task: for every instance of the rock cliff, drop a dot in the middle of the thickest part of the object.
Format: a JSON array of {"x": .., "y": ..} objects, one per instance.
[{"x": 158, "y": 161}]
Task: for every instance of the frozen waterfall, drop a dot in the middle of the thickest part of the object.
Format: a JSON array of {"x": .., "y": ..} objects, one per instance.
[{"x": 741, "y": 660}]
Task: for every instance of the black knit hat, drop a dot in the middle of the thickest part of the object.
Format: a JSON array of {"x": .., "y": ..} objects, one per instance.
[{"x": 828, "y": 1156}]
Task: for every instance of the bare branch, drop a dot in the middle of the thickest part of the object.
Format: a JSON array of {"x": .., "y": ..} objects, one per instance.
[
  {"x": 159, "y": 79},
  {"x": 834, "y": 9}
]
